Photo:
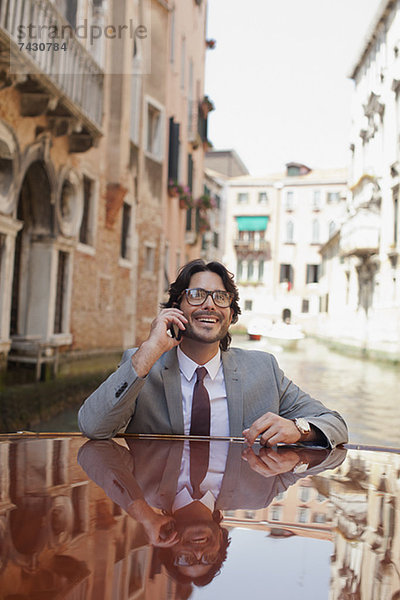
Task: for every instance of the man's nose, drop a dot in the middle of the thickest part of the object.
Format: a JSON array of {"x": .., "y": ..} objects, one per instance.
[{"x": 209, "y": 302}]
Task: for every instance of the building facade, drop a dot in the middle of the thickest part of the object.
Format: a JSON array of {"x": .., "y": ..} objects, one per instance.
[
  {"x": 100, "y": 104},
  {"x": 275, "y": 229},
  {"x": 362, "y": 270}
]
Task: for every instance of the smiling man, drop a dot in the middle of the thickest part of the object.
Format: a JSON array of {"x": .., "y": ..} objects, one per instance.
[{"x": 185, "y": 378}]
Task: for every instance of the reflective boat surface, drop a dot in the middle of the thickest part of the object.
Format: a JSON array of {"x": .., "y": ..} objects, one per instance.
[{"x": 154, "y": 518}]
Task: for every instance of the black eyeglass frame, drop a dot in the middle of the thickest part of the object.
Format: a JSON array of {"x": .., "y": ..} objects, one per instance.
[
  {"x": 208, "y": 293},
  {"x": 204, "y": 560}
]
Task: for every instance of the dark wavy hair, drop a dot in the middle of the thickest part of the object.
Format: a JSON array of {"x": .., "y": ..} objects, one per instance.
[
  {"x": 166, "y": 558},
  {"x": 183, "y": 280}
]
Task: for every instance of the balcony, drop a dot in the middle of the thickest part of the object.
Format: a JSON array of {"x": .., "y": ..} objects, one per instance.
[
  {"x": 251, "y": 246},
  {"x": 360, "y": 235},
  {"x": 66, "y": 85}
]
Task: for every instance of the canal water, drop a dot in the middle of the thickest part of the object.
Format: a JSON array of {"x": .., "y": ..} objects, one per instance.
[{"x": 365, "y": 392}]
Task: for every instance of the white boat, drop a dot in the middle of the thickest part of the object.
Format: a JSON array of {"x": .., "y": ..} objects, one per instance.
[{"x": 285, "y": 335}]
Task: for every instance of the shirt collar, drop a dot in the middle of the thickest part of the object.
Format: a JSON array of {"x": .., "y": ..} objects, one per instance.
[
  {"x": 184, "y": 498},
  {"x": 188, "y": 367}
]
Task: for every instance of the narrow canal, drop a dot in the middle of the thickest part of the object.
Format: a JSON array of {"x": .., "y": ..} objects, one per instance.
[{"x": 365, "y": 392}]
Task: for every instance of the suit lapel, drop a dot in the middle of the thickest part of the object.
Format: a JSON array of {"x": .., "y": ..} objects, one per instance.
[
  {"x": 234, "y": 393},
  {"x": 173, "y": 391}
]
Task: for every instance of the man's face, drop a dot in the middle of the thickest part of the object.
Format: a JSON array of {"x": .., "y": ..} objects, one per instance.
[
  {"x": 207, "y": 323},
  {"x": 199, "y": 541}
]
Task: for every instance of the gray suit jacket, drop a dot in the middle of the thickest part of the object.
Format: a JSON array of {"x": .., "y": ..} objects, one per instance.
[
  {"x": 254, "y": 385},
  {"x": 150, "y": 469}
]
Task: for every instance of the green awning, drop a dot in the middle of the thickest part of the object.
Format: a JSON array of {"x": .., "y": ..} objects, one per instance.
[{"x": 252, "y": 223}]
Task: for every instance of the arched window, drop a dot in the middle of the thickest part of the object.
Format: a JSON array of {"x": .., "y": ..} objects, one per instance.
[
  {"x": 315, "y": 232},
  {"x": 289, "y": 231}
]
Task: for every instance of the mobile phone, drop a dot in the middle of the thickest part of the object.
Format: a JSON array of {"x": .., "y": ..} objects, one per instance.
[{"x": 175, "y": 332}]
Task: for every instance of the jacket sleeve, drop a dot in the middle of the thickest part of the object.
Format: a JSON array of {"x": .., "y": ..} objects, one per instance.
[
  {"x": 293, "y": 402},
  {"x": 108, "y": 410},
  {"x": 110, "y": 465}
]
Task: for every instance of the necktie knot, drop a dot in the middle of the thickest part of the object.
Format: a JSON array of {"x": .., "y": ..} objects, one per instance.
[{"x": 201, "y": 372}]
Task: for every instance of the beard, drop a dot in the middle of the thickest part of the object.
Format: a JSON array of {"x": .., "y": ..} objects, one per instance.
[{"x": 209, "y": 337}]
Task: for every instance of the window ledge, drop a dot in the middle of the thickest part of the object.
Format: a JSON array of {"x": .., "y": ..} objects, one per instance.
[
  {"x": 125, "y": 263},
  {"x": 61, "y": 339},
  {"x": 86, "y": 249}
]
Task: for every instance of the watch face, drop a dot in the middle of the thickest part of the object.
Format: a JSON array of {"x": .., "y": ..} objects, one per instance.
[{"x": 302, "y": 425}]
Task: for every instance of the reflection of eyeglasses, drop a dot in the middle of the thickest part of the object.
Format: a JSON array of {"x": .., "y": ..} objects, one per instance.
[
  {"x": 188, "y": 559},
  {"x": 197, "y": 296}
]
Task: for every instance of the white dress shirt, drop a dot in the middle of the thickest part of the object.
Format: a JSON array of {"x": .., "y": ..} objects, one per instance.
[
  {"x": 211, "y": 484},
  {"x": 215, "y": 385}
]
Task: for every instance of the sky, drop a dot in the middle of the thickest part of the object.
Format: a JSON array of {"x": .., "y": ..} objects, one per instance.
[{"x": 278, "y": 78}]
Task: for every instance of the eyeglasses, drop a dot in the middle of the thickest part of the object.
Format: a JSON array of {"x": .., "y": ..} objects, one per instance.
[
  {"x": 197, "y": 296},
  {"x": 188, "y": 559}
]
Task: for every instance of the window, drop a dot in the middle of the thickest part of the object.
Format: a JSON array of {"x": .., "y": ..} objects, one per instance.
[
  {"x": 248, "y": 305},
  {"x": 262, "y": 198},
  {"x": 286, "y": 274},
  {"x": 333, "y": 197},
  {"x": 276, "y": 512},
  {"x": 260, "y": 270},
  {"x": 216, "y": 239},
  {"x": 303, "y": 515},
  {"x": 305, "y": 305},
  {"x": 315, "y": 232},
  {"x": 332, "y": 229},
  {"x": 126, "y": 231},
  {"x": 242, "y": 198},
  {"x": 304, "y": 494},
  {"x": 183, "y": 63},
  {"x": 149, "y": 259},
  {"x": 395, "y": 216},
  {"x": 2, "y": 253},
  {"x": 239, "y": 270},
  {"x": 172, "y": 38},
  {"x": 312, "y": 274},
  {"x": 289, "y": 200},
  {"x": 250, "y": 270},
  {"x": 61, "y": 287},
  {"x": 316, "y": 204},
  {"x": 154, "y": 115},
  {"x": 289, "y": 232},
  {"x": 319, "y": 518},
  {"x": 86, "y": 228},
  {"x": 323, "y": 303}
]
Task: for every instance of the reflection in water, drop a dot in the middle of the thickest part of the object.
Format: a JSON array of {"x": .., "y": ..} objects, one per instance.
[
  {"x": 261, "y": 514},
  {"x": 364, "y": 392}
]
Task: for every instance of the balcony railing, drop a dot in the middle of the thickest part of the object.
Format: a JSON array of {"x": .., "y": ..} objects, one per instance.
[
  {"x": 251, "y": 245},
  {"x": 73, "y": 71},
  {"x": 360, "y": 235}
]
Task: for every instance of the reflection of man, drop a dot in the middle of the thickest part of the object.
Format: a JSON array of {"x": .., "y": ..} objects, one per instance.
[
  {"x": 155, "y": 483},
  {"x": 197, "y": 385}
]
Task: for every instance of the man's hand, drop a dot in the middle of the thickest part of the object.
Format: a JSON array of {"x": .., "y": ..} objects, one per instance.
[
  {"x": 160, "y": 529},
  {"x": 159, "y": 340},
  {"x": 270, "y": 461},
  {"x": 274, "y": 430}
]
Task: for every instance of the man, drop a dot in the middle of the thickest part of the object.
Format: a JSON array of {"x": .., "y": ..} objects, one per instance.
[
  {"x": 160, "y": 387},
  {"x": 154, "y": 481}
]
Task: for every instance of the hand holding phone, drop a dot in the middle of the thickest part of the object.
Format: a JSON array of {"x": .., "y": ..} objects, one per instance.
[{"x": 175, "y": 332}]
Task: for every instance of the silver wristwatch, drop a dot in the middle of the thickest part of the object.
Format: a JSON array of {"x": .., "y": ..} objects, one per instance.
[{"x": 303, "y": 426}]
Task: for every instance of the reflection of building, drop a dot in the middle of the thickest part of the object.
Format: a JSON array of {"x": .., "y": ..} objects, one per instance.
[
  {"x": 59, "y": 534},
  {"x": 364, "y": 496},
  {"x": 89, "y": 136},
  {"x": 362, "y": 270},
  {"x": 300, "y": 510},
  {"x": 275, "y": 229}
]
